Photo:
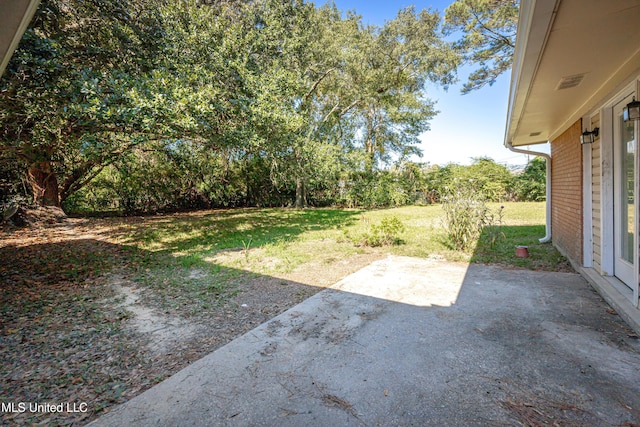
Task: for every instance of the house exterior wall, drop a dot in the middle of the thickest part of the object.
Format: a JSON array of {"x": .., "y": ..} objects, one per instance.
[
  {"x": 596, "y": 196},
  {"x": 566, "y": 193}
]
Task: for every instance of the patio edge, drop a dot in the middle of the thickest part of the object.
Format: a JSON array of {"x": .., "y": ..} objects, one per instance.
[{"x": 613, "y": 297}]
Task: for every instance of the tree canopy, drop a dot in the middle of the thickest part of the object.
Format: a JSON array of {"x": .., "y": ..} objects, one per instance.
[
  {"x": 76, "y": 93},
  {"x": 140, "y": 105},
  {"x": 284, "y": 86}
]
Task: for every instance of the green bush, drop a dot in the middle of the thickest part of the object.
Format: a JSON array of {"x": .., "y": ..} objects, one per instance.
[
  {"x": 494, "y": 180},
  {"x": 530, "y": 185},
  {"x": 466, "y": 214},
  {"x": 384, "y": 234}
]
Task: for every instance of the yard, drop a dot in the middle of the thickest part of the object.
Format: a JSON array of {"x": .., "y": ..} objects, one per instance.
[{"x": 97, "y": 310}]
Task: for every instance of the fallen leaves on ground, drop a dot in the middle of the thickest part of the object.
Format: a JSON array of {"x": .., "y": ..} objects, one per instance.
[{"x": 65, "y": 336}]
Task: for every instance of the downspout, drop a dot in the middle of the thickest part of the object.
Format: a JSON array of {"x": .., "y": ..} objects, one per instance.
[{"x": 547, "y": 157}]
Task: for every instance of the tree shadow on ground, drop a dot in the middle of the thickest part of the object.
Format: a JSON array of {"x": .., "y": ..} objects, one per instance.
[
  {"x": 66, "y": 328},
  {"x": 79, "y": 317},
  {"x": 67, "y": 337}
]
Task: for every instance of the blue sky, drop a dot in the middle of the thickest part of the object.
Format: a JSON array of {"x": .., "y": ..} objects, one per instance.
[{"x": 467, "y": 126}]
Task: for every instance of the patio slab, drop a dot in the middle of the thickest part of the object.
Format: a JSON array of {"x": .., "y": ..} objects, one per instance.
[{"x": 408, "y": 341}]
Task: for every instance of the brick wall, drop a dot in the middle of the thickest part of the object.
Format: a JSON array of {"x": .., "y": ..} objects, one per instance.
[{"x": 566, "y": 193}]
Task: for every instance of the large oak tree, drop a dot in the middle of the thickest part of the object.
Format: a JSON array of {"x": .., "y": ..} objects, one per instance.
[
  {"x": 75, "y": 95},
  {"x": 296, "y": 89}
]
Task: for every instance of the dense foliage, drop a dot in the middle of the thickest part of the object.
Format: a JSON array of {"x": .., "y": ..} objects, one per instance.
[
  {"x": 140, "y": 106},
  {"x": 75, "y": 95},
  {"x": 530, "y": 185}
]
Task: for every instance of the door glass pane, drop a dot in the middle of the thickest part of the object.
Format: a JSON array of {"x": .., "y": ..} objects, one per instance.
[{"x": 627, "y": 193}]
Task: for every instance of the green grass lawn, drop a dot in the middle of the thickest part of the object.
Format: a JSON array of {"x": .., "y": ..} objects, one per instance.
[
  {"x": 523, "y": 225},
  {"x": 229, "y": 243}
]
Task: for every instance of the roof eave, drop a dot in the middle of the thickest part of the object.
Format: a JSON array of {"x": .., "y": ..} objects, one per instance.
[
  {"x": 534, "y": 25},
  {"x": 14, "y": 20}
]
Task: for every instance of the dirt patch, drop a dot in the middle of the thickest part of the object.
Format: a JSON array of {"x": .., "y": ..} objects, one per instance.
[
  {"x": 161, "y": 332},
  {"x": 325, "y": 274}
]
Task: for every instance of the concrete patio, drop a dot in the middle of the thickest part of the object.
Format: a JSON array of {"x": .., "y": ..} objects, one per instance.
[{"x": 410, "y": 341}]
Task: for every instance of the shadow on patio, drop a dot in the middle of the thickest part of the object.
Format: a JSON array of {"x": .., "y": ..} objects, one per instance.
[{"x": 408, "y": 341}]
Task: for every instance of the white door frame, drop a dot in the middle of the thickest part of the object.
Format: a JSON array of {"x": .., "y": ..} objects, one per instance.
[
  {"x": 607, "y": 187},
  {"x": 625, "y": 269}
]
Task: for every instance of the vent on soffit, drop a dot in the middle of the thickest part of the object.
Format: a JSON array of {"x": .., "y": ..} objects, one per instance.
[
  {"x": 570, "y": 81},
  {"x": 535, "y": 133}
]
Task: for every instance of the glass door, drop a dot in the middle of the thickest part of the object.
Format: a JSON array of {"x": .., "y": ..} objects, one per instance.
[{"x": 625, "y": 196}]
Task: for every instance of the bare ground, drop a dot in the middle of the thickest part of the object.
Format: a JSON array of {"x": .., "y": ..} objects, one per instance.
[{"x": 75, "y": 329}]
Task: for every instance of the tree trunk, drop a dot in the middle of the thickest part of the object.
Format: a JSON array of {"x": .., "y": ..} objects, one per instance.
[
  {"x": 370, "y": 150},
  {"x": 44, "y": 184},
  {"x": 301, "y": 193}
]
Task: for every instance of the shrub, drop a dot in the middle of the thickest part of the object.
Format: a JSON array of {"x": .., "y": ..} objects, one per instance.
[
  {"x": 384, "y": 234},
  {"x": 466, "y": 214},
  {"x": 531, "y": 183},
  {"x": 494, "y": 180}
]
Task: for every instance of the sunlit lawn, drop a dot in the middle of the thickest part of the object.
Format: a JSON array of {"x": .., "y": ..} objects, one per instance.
[
  {"x": 523, "y": 224},
  {"x": 281, "y": 240}
]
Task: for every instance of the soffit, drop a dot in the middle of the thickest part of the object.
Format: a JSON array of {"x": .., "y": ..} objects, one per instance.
[
  {"x": 593, "y": 43},
  {"x": 14, "y": 20}
]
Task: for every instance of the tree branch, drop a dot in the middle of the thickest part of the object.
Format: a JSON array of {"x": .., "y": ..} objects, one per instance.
[
  {"x": 496, "y": 35},
  {"x": 77, "y": 179},
  {"x": 349, "y": 107},
  {"x": 317, "y": 82}
]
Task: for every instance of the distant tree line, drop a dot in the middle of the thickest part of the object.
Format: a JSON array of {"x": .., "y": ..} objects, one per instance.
[
  {"x": 186, "y": 182},
  {"x": 140, "y": 105}
]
